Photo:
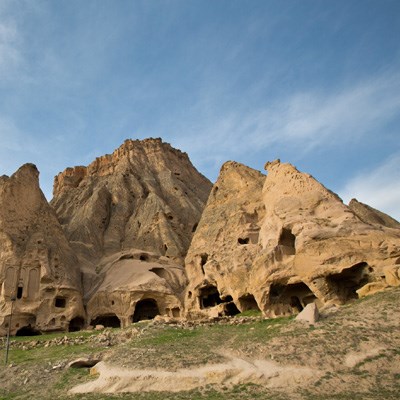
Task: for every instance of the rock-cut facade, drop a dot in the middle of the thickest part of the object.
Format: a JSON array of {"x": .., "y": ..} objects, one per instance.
[{"x": 140, "y": 233}]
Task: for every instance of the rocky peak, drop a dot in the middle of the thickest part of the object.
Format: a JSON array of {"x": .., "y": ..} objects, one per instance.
[
  {"x": 279, "y": 242},
  {"x": 371, "y": 215},
  {"x": 146, "y": 195},
  {"x": 141, "y": 151},
  {"x": 37, "y": 265}
]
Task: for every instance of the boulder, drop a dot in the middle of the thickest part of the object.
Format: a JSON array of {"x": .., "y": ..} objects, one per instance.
[{"x": 309, "y": 314}]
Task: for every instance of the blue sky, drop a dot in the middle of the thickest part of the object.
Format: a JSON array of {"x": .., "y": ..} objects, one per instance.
[{"x": 314, "y": 83}]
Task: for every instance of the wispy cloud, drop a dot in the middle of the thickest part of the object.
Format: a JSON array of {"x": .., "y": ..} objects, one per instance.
[
  {"x": 380, "y": 188},
  {"x": 10, "y": 56},
  {"x": 312, "y": 119}
]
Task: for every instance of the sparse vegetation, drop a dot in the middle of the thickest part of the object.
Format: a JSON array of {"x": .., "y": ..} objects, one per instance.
[{"x": 38, "y": 371}]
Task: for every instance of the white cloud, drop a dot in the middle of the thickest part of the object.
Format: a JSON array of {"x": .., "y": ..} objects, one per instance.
[
  {"x": 379, "y": 188},
  {"x": 10, "y": 56},
  {"x": 303, "y": 120}
]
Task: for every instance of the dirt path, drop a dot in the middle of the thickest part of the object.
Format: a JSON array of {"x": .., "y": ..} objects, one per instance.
[{"x": 233, "y": 372}]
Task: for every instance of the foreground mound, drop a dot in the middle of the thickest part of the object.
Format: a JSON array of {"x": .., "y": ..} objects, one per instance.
[{"x": 352, "y": 352}]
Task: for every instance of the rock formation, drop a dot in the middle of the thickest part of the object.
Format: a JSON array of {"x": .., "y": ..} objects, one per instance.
[
  {"x": 39, "y": 273},
  {"x": 370, "y": 215},
  {"x": 279, "y": 242},
  {"x": 145, "y": 198},
  {"x": 137, "y": 285},
  {"x": 117, "y": 234}
]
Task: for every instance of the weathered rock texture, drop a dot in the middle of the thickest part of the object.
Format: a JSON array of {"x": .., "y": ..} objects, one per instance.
[
  {"x": 38, "y": 268},
  {"x": 144, "y": 197},
  {"x": 371, "y": 215},
  {"x": 137, "y": 285},
  {"x": 119, "y": 230},
  {"x": 279, "y": 242}
]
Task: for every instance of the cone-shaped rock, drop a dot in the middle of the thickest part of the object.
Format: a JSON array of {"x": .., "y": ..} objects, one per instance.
[
  {"x": 293, "y": 242},
  {"x": 38, "y": 269},
  {"x": 125, "y": 213}
]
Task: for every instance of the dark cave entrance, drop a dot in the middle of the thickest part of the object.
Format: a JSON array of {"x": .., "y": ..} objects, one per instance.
[
  {"x": 107, "y": 320},
  {"x": 230, "y": 309},
  {"x": 76, "y": 324},
  {"x": 288, "y": 241},
  {"x": 209, "y": 297},
  {"x": 288, "y": 299},
  {"x": 248, "y": 302},
  {"x": 347, "y": 282},
  {"x": 27, "y": 331},
  {"x": 145, "y": 309}
]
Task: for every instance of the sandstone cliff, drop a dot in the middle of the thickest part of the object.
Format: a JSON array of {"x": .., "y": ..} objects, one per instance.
[
  {"x": 38, "y": 269},
  {"x": 292, "y": 242},
  {"x": 119, "y": 229},
  {"x": 145, "y": 197}
]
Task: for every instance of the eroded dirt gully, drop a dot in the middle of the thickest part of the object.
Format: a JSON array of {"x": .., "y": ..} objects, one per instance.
[{"x": 356, "y": 346}]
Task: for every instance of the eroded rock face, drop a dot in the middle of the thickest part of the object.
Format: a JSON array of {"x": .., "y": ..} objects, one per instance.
[
  {"x": 146, "y": 197},
  {"x": 37, "y": 266},
  {"x": 371, "y": 215},
  {"x": 135, "y": 286},
  {"x": 220, "y": 260},
  {"x": 302, "y": 245}
]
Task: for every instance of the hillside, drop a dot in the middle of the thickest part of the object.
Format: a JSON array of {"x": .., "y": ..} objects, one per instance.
[{"x": 351, "y": 353}]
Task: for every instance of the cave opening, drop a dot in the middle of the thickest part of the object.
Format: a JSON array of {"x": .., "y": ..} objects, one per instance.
[
  {"x": 288, "y": 299},
  {"x": 230, "y": 309},
  {"x": 248, "y": 302},
  {"x": 60, "y": 302},
  {"x": 347, "y": 282},
  {"x": 107, "y": 320},
  {"x": 27, "y": 331},
  {"x": 20, "y": 290},
  {"x": 209, "y": 296},
  {"x": 145, "y": 309},
  {"x": 144, "y": 257},
  {"x": 76, "y": 324},
  {"x": 288, "y": 241}
]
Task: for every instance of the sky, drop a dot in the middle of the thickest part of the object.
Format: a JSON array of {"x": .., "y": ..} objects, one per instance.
[{"x": 313, "y": 82}]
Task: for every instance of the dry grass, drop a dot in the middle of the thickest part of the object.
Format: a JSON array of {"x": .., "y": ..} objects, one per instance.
[{"x": 355, "y": 352}]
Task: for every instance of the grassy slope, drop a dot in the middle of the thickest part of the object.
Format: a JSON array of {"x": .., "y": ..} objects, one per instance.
[{"x": 365, "y": 325}]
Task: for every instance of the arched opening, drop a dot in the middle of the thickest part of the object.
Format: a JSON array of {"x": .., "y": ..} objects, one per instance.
[
  {"x": 288, "y": 241},
  {"x": 144, "y": 257},
  {"x": 243, "y": 240},
  {"x": 347, "y": 282},
  {"x": 209, "y": 297},
  {"x": 108, "y": 321},
  {"x": 27, "y": 331},
  {"x": 76, "y": 324},
  {"x": 20, "y": 290},
  {"x": 248, "y": 302},
  {"x": 176, "y": 312},
  {"x": 145, "y": 309},
  {"x": 290, "y": 299},
  {"x": 231, "y": 309}
]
